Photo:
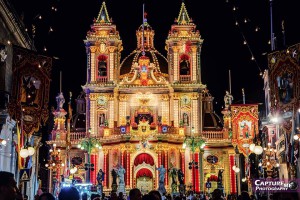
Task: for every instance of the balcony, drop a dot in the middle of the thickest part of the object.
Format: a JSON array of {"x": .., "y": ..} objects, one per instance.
[
  {"x": 185, "y": 78},
  {"x": 102, "y": 79},
  {"x": 213, "y": 135}
]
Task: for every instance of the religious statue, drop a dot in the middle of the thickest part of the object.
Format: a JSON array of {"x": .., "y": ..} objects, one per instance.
[
  {"x": 60, "y": 101},
  {"x": 121, "y": 171},
  {"x": 228, "y": 99},
  {"x": 162, "y": 172},
  {"x": 161, "y": 183},
  {"x": 100, "y": 177},
  {"x": 180, "y": 176},
  {"x": 173, "y": 173},
  {"x": 114, "y": 176},
  {"x": 220, "y": 176}
]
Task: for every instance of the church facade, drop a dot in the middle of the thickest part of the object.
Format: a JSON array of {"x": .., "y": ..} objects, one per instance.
[{"x": 144, "y": 112}]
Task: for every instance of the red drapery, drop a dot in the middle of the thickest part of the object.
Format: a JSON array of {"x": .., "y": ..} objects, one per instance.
[
  {"x": 93, "y": 173},
  {"x": 197, "y": 180},
  {"x": 232, "y": 175},
  {"x": 144, "y": 172},
  {"x": 143, "y": 157}
]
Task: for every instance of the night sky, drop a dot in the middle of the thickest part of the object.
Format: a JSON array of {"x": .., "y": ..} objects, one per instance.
[{"x": 223, "y": 47}]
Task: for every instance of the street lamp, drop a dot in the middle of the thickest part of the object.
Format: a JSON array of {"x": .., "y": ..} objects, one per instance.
[
  {"x": 270, "y": 161},
  {"x": 54, "y": 162},
  {"x": 89, "y": 144}
]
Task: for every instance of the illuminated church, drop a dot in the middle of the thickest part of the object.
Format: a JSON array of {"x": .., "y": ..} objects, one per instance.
[{"x": 144, "y": 111}]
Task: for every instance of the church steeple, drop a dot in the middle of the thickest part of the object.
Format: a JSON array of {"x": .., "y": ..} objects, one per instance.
[
  {"x": 103, "y": 16},
  {"x": 145, "y": 35},
  {"x": 103, "y": 47},
  {"x": 183, "y": 17},
  {"x": 184, "y": 47}
]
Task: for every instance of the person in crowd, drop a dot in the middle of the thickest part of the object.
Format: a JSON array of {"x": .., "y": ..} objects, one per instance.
[
  {"x": 69, "y": 193},
  {"x": 135, "y": 194},
  {"x": 8, "y": 187},
  {"x": 46, "y": 196},
  {"x": 156, "y": 195},
  {"x": 121, "y": 196},
  {"x": 217, "y": 195},
  {"x": 113, "y": 196},
  {"x": 84, "y": 196},
  {"x": 95, "y": 196}
]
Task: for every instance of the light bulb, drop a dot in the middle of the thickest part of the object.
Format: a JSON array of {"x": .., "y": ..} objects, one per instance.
[
  {"x": 3, "y": 142},
  {"x": 31, "y": 151},
  {"x": 62, "y": 164},
  {"x": 97, "y": 145},
  {"x": 260, "y": 164},
  {"x": 75, "y": 169},
  {"x": 46, "y": 165},
  {"x": 54, "y": 145},
  {"x": 24, "y": 153},
  {"x": 53, "y": 164},
  {"x": 277, "y": 165},
  {"x": 58, "y": 150},
  {"x": 268, "y": 163},
  {"x": 251, "y": 147},
  {"x": 296, "y": 137},
  {"x": 184, "y": 145},
  {"x": 72, "y": 171},
  {"x": 237, "y": 170},
  {"x": 79, "y": 145},
  {"x": 51, "y": 150},
  {"x": 233, "y": 167}
]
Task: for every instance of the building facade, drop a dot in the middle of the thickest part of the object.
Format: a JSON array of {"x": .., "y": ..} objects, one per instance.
[{"x": 145, "y": 111}]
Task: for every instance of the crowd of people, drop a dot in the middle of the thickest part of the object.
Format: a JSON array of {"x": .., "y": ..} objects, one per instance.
[{"x": 10, "y": 191}]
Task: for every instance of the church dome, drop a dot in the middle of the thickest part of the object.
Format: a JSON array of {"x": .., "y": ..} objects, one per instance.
[{"x": 155, "y": 57}]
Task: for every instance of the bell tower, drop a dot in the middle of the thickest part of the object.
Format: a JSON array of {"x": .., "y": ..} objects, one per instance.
[
  {"x": 103, "y": 48},
  {"x": 184, "y": 48}
]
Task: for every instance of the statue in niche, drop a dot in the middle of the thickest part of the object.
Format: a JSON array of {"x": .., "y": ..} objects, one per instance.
[
  {"x": 185, "y": 119},
  {"x": 101, "y": 119}
]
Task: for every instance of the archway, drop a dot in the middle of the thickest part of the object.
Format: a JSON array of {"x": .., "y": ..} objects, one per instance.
[
  {"x": 144, "y": 172},
  {"x": 144, "y": 180}
]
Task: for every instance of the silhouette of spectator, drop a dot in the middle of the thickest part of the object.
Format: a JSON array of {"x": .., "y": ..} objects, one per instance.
[
  {"x": 46, "y": 196},
  {"x": 156, "y": 194},
  {"x": 8, "y": 187},
  {"x": 217, "y": 195},
  {"x": 84, "y": 196},
  {"x": 135, "y": 194},
  {"x": 69, "y": 193}
]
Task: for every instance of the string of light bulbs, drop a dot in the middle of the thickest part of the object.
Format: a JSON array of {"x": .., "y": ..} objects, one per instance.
[{"x": 245, "y": 41}]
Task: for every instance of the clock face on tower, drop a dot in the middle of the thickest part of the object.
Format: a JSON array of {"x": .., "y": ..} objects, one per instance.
[
  {"x": 185, "y": 100},
  {"x": 101, "y": 100}
]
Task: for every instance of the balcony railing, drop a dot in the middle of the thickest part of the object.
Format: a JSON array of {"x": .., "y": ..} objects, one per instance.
[
  {"x": 77, "y": 136},
  {"x": 102, "y": 79},
  {"x": 213, "y": 135},
  {"x": 185, "y": 78}
]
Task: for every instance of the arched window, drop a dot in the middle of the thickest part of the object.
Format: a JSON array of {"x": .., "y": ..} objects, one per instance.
[
  {"x": 102, "y": 65},
  {"x": 102, "y": 68},
  {"x": 184, "y": 65}
]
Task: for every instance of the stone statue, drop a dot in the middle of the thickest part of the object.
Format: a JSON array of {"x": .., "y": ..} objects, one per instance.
[
  {"x": 220, "y": 176},
  {"x": 228, "y": 99},
  {"x": 100, "y": 177},
  {"x": 60, "y": 101},
  {"x": 121, "y": 171},
  {"x": 161, "y": 183},
  {"x": 180, "y": 176},
  {"x": 114, "y": 176},
  {"x": 173, "y": 173},
  {"x": 162, "y": 173}
]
